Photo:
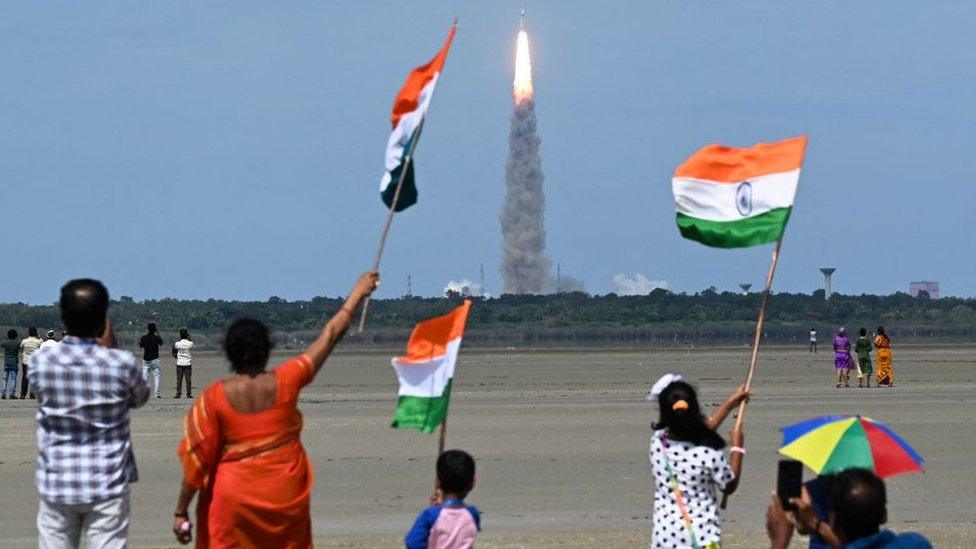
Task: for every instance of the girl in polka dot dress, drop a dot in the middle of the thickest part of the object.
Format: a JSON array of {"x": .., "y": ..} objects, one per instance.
[{"x": 688, "y": 465}]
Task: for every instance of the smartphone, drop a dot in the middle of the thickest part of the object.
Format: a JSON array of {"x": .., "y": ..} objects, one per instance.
[{"x": 789, "y": 482}]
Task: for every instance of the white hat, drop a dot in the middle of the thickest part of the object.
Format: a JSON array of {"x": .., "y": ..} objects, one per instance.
[{"x": 661, "y": 384}]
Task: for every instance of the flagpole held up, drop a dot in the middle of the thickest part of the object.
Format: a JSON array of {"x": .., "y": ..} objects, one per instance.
[
  {"x": 389, "y": 215},
  {"x": 760, "y": 323},
  {"x": 414, "y": 98}
]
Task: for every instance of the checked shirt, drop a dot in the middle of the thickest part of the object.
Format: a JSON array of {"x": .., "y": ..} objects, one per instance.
[{"x": 84, "y": 394}]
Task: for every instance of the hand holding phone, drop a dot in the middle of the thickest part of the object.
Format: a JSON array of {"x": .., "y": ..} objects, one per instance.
[{"x": 789, "y": 482}]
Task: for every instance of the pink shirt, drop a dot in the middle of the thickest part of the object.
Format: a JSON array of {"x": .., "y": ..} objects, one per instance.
[
  {"x": 455, "y": 529},
  {"x": 452, "y": 527}
]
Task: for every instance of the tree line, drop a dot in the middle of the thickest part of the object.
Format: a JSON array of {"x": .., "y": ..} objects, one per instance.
[{"x": 659, "y": 318}]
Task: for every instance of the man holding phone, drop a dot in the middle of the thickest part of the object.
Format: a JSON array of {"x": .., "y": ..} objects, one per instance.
[
  {"x": 858, "y": 509},
  {"x": 790, "y": 487}
]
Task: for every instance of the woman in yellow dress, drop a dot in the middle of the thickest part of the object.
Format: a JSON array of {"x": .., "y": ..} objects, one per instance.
[{"x": 883, "y": 345}]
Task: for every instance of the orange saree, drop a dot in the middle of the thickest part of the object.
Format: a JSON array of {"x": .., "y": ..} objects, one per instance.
[
  {"x": 886, "y": 375},
  {"x": 254, "y": 478}
]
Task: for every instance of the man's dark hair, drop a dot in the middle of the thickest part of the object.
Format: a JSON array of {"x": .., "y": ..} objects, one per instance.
[
  {"x": 151, "y": 327},
  {"x": 84, "y": 305},
  {"x": 32, "y": 331},
  {"x": 863, "y": 332},
  {"x": 455, "y": 472},
  {"x": 248, "y": 346},
  {"x": 184, "y": 334},
  {"x": 858, "y": 502},
  {"x": 11, "y": 334}
]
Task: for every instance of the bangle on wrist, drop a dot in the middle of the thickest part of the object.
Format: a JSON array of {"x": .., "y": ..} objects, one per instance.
[
  {"x": 738, "y": 450},
  {"x": 184, "y": 514}
]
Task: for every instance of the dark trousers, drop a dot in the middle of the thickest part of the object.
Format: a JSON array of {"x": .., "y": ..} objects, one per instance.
[
  {"x": 23, "y": 382},
  {"x": 813, "y": 346},
  {"x": 181, "y": 372}
]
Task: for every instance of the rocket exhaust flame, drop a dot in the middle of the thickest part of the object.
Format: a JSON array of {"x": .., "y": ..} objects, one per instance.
[
  {"x": 522, "y": 87},
  {"x": 525, "y": 267}
]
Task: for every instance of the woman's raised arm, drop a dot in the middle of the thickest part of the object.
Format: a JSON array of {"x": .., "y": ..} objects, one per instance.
[{"x": 336, "y": 327}]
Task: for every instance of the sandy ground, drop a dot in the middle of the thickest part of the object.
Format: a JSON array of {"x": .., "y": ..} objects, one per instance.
[{"x": 561, "y": 443}]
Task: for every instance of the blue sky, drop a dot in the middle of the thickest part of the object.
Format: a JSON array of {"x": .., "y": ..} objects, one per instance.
[{"x": 233, "y": 150}]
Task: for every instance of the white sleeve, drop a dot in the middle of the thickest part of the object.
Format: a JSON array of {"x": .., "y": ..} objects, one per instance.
[{"x": 722, "y": 473}]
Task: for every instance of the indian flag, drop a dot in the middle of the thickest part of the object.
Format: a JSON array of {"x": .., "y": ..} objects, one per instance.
[
  {"x": 732, "y": 198},
  {"x": 426, "y": 372},
  {"x": 409, "y": 109}
]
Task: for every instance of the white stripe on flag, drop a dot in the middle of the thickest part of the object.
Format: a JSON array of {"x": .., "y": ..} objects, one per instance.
[
  {"x": 428, "y": 379},
  {"x": 716, "y": 201},
  {"x": 404, "y": 129}
]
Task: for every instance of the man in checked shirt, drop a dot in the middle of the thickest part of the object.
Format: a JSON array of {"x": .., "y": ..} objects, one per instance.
[{"x": 85, "y": 389}]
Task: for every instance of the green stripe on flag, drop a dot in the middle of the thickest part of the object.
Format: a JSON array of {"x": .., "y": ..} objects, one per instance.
[
  {"x": 750, "y": 231},
  {"x": 408, "y": 196},
  {"x": 421, "y": 413}
]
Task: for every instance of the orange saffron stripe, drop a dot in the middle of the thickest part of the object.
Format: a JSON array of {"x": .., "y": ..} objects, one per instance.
[{"x": 734, "y": 165}]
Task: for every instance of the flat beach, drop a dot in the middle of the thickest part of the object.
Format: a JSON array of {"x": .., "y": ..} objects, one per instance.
[{"x": 561, "y": 442}]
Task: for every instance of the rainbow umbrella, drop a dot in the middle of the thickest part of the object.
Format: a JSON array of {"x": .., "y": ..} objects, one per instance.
[{"x": 831, "y": 444}]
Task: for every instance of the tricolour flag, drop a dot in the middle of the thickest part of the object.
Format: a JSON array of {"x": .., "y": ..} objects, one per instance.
[
  {"x": 733, "y": 198},
  {"x": 427, "y": 371},
  {"x": 409, "y": 108}
]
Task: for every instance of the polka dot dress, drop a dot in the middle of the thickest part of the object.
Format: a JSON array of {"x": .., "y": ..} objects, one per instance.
[{"x": 699, "y": 469}]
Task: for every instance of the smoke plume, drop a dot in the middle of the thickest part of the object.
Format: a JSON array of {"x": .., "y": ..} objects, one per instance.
[
  {"x": 525, "y": 267},
  {"x": 463, "y": 288},
  {"x": 639, "y": 285}
]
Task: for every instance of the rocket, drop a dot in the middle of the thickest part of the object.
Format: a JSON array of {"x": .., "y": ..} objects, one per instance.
[{"x": 522, "y": 21}]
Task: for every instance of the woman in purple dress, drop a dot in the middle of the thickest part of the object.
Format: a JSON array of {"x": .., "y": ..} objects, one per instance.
[{"x": 842, "y": 358}]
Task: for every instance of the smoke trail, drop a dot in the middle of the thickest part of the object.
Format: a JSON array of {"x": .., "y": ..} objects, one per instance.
[{"x": 525, "y": 267}]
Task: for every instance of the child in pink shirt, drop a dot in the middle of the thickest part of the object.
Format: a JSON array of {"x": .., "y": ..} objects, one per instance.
[{"x": 450, "y": 524}]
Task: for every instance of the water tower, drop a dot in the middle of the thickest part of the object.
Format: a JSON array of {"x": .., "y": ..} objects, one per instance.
[
  {"x": 745, "y": 288},
  {"x": 827, "y": 272}
]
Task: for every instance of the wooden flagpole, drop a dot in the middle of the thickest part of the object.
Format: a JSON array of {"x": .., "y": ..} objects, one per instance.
[
  {"x": 443, "y": 436},
  {"x": 389, "y": 215},
  {"x": 760, "y": 323},
  {"x": 396, "y": 197}
]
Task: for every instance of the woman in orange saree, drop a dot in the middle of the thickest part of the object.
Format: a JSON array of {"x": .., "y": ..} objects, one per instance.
[
  {"x": 242, "y": 450},
  {"x": 886, "y": 376}
]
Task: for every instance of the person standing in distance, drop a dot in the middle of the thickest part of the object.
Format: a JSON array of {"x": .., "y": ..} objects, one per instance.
[
  {"x": 28, "y": 347},
  {"x": 813, "y": 341},
  {"x": 182, "y": 350},
  {"x": 85, "y": 390},
  {"x": 11, "y": 357},
  {"x": 150, "y": 344},
  {"x": 50, "y": 341}
]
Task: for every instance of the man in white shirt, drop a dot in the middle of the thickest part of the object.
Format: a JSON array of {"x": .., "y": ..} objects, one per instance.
[
  {"x": 813, "y": 341},
  {"x": 28, "y": 346},
  {"x": 182, "y": 350},
  {"x": 50, "y": 341}
]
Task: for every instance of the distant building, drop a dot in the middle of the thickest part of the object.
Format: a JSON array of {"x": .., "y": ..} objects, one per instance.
[{"x": 927, "y": 286}]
